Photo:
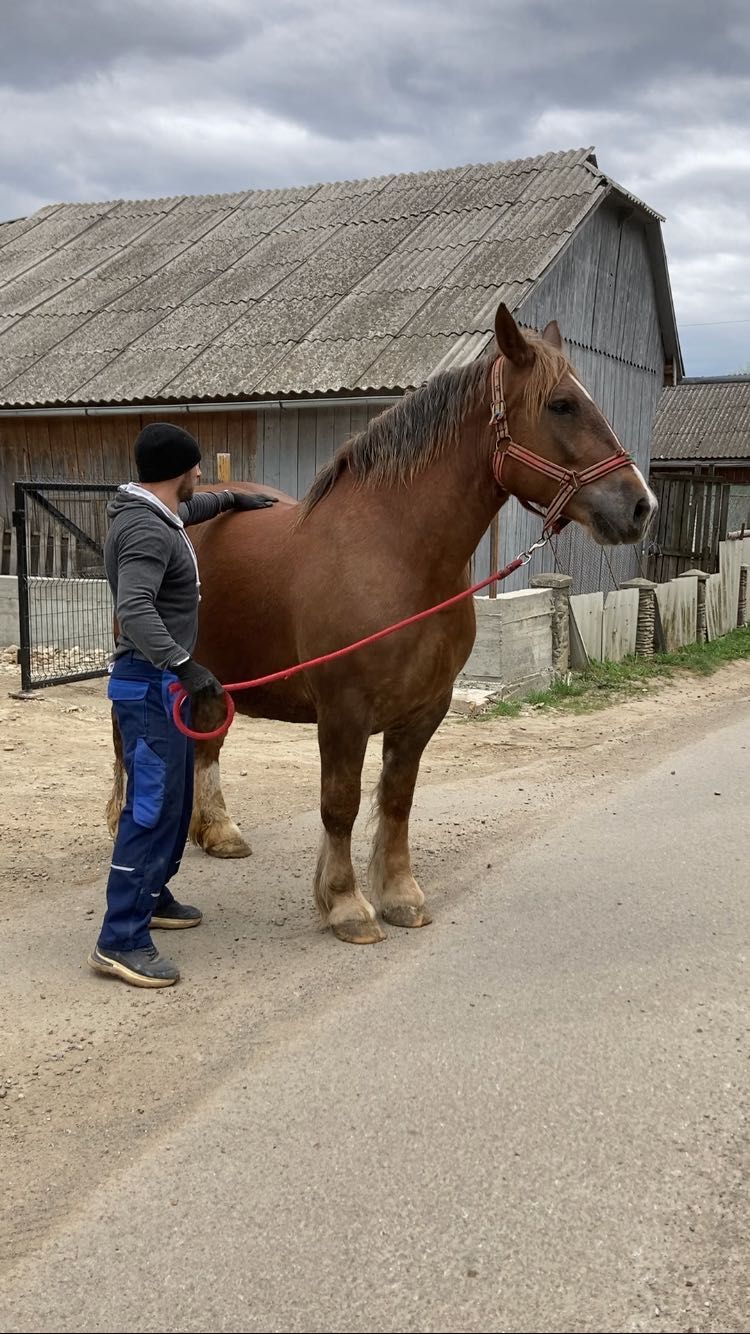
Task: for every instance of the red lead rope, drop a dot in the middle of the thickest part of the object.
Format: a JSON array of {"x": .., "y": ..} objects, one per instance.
[{"x": 287, "y": 672}]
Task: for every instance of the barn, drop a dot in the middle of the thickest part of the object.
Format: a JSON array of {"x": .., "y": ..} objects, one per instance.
[{"x": 273, "y": 324}]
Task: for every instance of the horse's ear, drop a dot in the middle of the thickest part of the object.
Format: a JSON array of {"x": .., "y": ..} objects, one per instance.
[
  {"x": 552, "y": 335},
  {"x": 510, "y": 340}
]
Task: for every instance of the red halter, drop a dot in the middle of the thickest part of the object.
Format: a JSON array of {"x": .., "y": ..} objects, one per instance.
[{"x": 570, "y": 481}]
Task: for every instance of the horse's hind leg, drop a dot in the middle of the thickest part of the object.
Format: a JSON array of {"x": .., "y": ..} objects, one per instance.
[
  {"x": 390, "y": 876},
  {"x": 342, "y": 741},
  {"x": 211, "y": 827}
]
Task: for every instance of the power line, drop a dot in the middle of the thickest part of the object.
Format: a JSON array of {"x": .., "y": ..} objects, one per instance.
[{"x": 706, "y": 324}]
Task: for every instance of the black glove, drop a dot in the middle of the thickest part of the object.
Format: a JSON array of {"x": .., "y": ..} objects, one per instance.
[
  {"x": 199, "y": 683},
  {"x": 252, "y": 500}
]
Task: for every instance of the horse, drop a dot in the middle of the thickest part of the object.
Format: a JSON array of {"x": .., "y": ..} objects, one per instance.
[{"x": 388, "y": 528}]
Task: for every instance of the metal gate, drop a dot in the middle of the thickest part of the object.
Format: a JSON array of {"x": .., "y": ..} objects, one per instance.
[
  {"x": 64, "y": 602},
  {"x": 691, "y": 522}
]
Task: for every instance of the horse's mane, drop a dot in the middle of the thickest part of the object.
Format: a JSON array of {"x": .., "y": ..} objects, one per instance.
[{"x": 408, "y": 437}]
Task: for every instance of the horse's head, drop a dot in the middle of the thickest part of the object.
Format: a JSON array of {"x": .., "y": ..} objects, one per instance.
[{"x": 548, "y": 413}]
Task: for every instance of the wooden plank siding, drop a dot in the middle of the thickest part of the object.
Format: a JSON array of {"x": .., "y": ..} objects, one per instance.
[
  {"x": 279, "y": 447},
  {"x": 692, "y": 523}
]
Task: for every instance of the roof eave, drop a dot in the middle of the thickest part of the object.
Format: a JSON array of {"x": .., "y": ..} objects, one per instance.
[
  {"x": 693, "y": 460},
  {"x": 251, "y": 403}
]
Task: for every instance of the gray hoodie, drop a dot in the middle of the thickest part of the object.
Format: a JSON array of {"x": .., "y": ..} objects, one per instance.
[{"x": 153, "y": 572}]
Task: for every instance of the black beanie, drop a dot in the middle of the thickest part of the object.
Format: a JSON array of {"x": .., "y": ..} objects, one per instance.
[{"x": 163, "y": 452}]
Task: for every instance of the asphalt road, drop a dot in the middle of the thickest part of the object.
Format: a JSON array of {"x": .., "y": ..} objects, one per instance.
[{"x": 536, "y": 1121}]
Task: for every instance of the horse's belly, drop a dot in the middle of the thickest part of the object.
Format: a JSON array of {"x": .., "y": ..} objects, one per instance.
[
  {"x": 281, "y": 704},
  {"x": 263, "y": 611}
]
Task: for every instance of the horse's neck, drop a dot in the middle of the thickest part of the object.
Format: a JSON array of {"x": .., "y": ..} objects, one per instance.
[{"x": 451, "y": 504}]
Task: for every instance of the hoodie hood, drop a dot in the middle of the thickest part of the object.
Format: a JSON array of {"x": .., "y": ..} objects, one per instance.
[{"x": 132, "y": 495}]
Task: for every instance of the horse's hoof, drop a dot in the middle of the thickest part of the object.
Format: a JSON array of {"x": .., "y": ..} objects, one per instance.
[
  {"x": 356, "y": 932},
  {"x": 406, "y": 914},
  {"x": 228, "y": 847}
]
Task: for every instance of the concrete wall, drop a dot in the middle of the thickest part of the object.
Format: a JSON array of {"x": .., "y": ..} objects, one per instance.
[
  {"x": 513, "y": 649},
  {"x": 722, "y": 590},
  {"x": 620, "y": 624},
  {"x": 607, "y": 628},
  {"x": 8, "y": 610},
  {"x": 587, "y": 610},
  {"x": 678, "y": 609}
]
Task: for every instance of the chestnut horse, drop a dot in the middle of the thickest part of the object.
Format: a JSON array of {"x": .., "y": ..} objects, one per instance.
[{"x": 387, "y": 529}]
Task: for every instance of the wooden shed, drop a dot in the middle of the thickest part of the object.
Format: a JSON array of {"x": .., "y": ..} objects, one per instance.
[
  {"x": 700, "y": 471},
  {"x": 275, "y": 323},
  {"x": 702, "y": 429}
]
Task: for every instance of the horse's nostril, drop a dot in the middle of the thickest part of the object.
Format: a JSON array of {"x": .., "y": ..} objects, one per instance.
[{"x": 642, "y": 509}]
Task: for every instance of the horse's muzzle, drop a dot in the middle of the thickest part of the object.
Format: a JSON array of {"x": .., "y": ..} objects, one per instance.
[{"x": 616, "y": 514}]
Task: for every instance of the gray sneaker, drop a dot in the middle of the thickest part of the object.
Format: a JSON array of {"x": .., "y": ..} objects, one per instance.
[
  {"x": 175, "y": 916},
  {"x": 141, "y": 968}
]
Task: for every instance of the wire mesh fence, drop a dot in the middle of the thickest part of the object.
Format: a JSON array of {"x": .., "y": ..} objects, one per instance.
[{"x": 65, "y": 606}]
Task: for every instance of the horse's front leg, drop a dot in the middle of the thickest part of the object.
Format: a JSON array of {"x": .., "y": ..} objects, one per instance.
[
  {"x": 211, "y": 828},
  {"x": 391, "y": 881},
  {"x": 342, "y": 739}
]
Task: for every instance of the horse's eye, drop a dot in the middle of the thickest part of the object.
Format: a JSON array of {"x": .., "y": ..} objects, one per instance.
[{"x": 562, "y": 405}]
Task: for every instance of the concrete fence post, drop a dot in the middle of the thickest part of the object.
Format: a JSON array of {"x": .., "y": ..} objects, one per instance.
[
  {"x": 560, "y": 584},
  {"x": 646, "y": 628},
  {"x": 701, "y": 633},
  {"x": 742, "y": 596}
]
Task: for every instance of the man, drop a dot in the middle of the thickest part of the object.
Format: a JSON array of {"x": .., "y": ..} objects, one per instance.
[{"x": 153, "y": 573}]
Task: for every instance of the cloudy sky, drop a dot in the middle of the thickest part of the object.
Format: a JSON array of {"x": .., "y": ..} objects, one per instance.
[{"x": 105, "y": 99}]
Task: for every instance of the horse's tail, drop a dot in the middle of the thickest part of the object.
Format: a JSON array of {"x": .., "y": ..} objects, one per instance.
[{"x": 117, "y": 799}]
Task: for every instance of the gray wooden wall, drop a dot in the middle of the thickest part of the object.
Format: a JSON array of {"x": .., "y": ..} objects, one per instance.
[
  {"x": 292, "y": 444},
  {"x": 601, "y": 293}
]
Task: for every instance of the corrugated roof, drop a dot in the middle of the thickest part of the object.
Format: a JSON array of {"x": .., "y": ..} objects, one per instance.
[
  {"x": 703, "y": 419},
  {"x": 345, "y": 286}
]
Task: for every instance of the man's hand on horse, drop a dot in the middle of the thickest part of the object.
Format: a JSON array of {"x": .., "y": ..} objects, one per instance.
[
  {"x": 199, "y": 682},
  {"x": 249, "y": 500}
]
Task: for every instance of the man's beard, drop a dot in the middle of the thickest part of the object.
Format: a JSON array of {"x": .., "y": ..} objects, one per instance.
[{"x": 186, "y": 491}]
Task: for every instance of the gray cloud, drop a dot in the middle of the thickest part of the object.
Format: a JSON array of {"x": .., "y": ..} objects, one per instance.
[
  {"x": 100, "y": 99},
  {"x": 50, "y": 44}
]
